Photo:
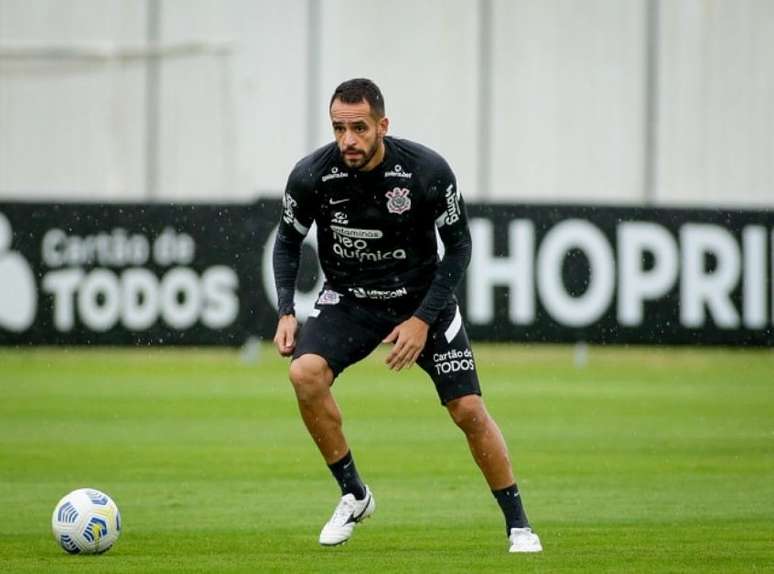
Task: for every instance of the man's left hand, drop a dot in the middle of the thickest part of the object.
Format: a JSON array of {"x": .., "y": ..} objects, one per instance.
[{"x": 409, "y": 338}]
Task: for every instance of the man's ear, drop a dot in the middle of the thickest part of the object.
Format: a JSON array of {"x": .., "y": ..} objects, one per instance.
[{"x": 384, "y": 124}]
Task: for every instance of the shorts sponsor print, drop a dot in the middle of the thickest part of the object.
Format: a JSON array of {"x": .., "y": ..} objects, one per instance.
[{"x": 453, "y": 361}]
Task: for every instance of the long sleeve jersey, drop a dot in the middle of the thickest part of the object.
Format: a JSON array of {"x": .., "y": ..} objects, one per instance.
[{"x": 376, "y": 230}]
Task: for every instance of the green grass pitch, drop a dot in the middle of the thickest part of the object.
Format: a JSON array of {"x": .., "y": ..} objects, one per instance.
[{"x": 643, "y": 460}]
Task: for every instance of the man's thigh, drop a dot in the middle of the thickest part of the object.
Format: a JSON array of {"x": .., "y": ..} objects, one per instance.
[
  {"x": 340, "y": 331},
  {"x": 448, "y": 358}
]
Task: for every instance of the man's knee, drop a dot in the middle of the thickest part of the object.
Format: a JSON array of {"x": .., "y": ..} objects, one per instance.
[
  {"x": 468, "y": 412},
  {"x": 311, "y": 376}
]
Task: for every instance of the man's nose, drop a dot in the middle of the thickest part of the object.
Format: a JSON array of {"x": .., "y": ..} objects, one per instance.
[{"x": 349, "y": 137}]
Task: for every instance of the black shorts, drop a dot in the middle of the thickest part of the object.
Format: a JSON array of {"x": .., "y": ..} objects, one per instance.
[{"x": 344, "y": 330}]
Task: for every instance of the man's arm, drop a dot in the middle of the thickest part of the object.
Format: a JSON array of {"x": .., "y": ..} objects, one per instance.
[
  {"x": 286, "y": 259},
  {"x": 452, "y": 226}
]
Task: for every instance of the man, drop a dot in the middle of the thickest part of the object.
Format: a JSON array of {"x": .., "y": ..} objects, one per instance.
[{"x": 377, "y": 202}]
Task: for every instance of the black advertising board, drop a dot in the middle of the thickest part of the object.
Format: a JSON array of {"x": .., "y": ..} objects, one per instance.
[
  {"x": 620, "y": 275},
  {"x": 200, "y": 274},
  {"x": 132, "y": 274}
]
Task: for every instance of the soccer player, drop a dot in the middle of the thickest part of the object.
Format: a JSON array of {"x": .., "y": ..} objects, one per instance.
[{"x": 377, "y": 202}]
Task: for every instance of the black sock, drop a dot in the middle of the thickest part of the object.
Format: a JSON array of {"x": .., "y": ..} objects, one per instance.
[
  {"x": 510, "y": 503},
  {"x": 345, "y": 473}
]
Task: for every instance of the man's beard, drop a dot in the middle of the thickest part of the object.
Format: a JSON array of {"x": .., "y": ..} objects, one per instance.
[{"x": 363, "y": 160}]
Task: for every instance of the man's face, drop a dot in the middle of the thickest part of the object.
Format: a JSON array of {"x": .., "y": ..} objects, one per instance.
[{"x": 359, "y": 134}]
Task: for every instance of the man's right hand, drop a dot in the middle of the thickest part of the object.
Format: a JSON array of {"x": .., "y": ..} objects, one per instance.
[{"x": 285, "y": 337}]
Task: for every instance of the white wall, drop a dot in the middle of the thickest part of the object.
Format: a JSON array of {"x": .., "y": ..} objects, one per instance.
[
  {"x": 233, "y": 125},
  {"x": 568, "y": 100},
  {"x": 243, "y": 88},
  {"x": 716, "y": 125},
  {"x": 71, "y": 127}
]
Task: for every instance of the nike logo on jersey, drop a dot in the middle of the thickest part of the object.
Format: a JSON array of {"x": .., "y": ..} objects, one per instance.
[{"x": 337, "y": 201}]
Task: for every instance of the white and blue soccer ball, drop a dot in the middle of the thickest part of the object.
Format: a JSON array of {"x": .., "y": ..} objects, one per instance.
[{"x": 86, "y": 521}]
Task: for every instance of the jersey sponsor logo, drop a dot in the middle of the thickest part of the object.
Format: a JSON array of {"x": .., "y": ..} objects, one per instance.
[
  {"x": 355, "y": 233},
  {"x": 334, "y": 174},
  {"x": 454, "y": 361},
  {"x": 398, "y": 200},
  {"x": 453, "y": 210},
  {"x": 397, "y": 171},
  {"x": 362, "y": 255},
  {"x": 329, "y": 297},
  {"x": 337, "y": 201},
  {"x": 378, "y": 294}
]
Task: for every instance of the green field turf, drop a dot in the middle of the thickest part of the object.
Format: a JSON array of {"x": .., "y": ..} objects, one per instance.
[{"x": 644, "y": 460}]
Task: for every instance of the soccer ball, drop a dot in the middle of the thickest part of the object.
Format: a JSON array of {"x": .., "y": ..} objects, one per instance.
[{"x": 86, "y": 521}]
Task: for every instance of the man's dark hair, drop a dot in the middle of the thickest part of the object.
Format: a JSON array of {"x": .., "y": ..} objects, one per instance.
[{"x": 359, "y": 89}]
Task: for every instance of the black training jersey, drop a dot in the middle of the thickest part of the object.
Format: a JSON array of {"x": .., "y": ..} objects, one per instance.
[{"x": 376, "y": 230}]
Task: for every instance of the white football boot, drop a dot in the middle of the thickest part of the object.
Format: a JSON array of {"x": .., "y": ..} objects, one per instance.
[
  {"x": 524, "y": 540},
  {"x": 349, "y": 512}
]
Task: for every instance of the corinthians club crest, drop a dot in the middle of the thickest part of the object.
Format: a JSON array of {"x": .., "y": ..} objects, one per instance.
[{"x": 398, "y": 200}]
